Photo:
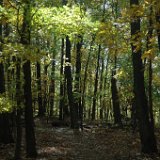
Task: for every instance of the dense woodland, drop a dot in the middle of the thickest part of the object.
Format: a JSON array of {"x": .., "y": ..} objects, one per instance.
[{"x": 79, "y": 64}]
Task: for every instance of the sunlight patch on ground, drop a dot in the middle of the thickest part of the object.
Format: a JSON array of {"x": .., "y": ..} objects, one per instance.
[{"x": 54, "y": 150}]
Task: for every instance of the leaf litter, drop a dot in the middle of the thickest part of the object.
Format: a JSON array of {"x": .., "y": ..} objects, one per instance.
[{"x": 95, "y": 143}]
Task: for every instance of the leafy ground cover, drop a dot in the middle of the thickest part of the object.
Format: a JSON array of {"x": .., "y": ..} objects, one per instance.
[{"x": 94, "y": 143}]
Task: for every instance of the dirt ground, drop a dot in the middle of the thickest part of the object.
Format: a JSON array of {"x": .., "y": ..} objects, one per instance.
[{"x": 94, "y": 143}]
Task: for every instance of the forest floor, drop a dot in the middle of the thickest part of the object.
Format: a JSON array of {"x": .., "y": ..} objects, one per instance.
[{"x": 94, "y": 143}]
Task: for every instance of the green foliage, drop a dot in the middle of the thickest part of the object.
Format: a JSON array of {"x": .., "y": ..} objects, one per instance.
[
  {"x": 63, "y": 21},
  {"x": 5, "y": 104}
]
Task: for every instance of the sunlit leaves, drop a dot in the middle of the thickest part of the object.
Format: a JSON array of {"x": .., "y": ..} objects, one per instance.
[
  {"x": 5, "y": 104},
  {"x": 32, "y": 53},
  {"x": 63, "y": 21},
  {"x": 7, "y": 15},
  {"x": 110, "y": 35},
  {"x": 149, "y": 54}
]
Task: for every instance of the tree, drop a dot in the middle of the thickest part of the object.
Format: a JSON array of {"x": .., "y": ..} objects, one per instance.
[
  {"x": 17, "y": 155},
  {"x": 52, "y": 83},
  {"x": 101, "y": 71},
  {"x": 78, "y": 79},
  {"x": 157, "y": 3},
  {"x": 148, "y": 141},
  {"x": 115, "y": 96},
  {"x": 68, "y": 75},
  {"x": 150, "y": 69},
  {"x": 96, "y": 84},
  {"x": 62, "y": 84},
  {"x": 5, "y": 130},
  {"x": 40, "y": 105},
  {"x": 25, "y": 40}
]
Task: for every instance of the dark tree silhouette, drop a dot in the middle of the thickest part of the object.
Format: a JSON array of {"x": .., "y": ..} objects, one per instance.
[{"x": 147, "y": 136}]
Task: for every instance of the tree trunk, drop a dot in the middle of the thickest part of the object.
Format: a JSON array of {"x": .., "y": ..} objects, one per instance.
[
  {"x": 148, "y": 141},
  {"x": 5, "y": 130},
  {"x": 115, "y": 97},
  {"x": 105, "y": 90},
  {"x": 68, "y": 74},
  {"x": 101, "y": 88},
  {"x": 85, "y": 76},
  {"x": 96, "y": 85},
  {"x": 29, "y": 128},
  {"x": 52, "y": 90},
  {"x": 17, "y": 155},
  {"x": 2, "y": 80},
  {"x": 29, "y": 124},
  {"x": 158, "y": 21},
  {"x": 45, "y": 92},
  {"x": 78, "y": 80},
  {"x": 52, "y": 84},
  {"x": 115, "y": 101},
  {"x": 150, "y": 70},
  {"x": 62, "y": 93},
  {"x": 39, "y": 90}
]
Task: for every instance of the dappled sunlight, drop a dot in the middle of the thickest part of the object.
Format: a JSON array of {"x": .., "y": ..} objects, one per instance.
[{"x": 53, "y": 151}]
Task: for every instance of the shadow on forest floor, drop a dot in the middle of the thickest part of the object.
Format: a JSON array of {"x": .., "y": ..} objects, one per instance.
[{"x": 91, "y": 144}]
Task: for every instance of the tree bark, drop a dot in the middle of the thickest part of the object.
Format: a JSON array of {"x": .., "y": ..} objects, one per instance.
[
  {"x": 148, "y": 140},
  {"x": 29, "y": 128},
  {"x": 96, "y": 85},
  {"x": 105, "y": 90},
  {"x": 68, "y": 74},
  {"x": 78, "y": 80},
  {"x": 52, "y": 83},
  {"x": 17, "y": 155},
  {"x": 62, "y": 93},
  {"x": 158, "y": 21},
  {"x": 115, "y": 96},
  {"x": 45, "y": 92},
  {"x": 150, "y": 70},
  {"x": 40, "y": 105},
  {"x": 5, "y": 130},
  {"x": 101, "y": 87}
]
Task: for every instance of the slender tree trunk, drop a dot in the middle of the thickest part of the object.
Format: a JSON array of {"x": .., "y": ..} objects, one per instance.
[
  {"x": 9, "y": 72},
  {"x": 157, "y": 3},
  {"x": 105, "y": 90},
  {"x": 17, "y": 155},
  {"x": 45, "y": 98},
  {"x": 115, "y": 96},
  {"x": 5, "y": 130},
  {"x": 85, "y": 77},
  {"x": 115, "y": 101},
  {"x": 52, "y": 84},
  {"x": 148, "y": 140},
  {"x": 62, "y": 93},
  {"x": 150, "y": 70},
  {"x": 68, "y": 74},
  {"x": 78, "y": 79},
  {"x": 2, "y": 80},
  {"x": 96, "y": 85},
  {"x": 101, "y": 87},
  {"x": 52, "y": 89},
  {"x": 29, "y": 128},
  {"x": 150, "y": 101},
  {"x": 40, "y": 105}
]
